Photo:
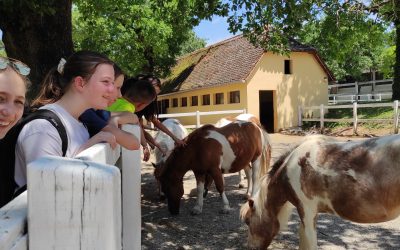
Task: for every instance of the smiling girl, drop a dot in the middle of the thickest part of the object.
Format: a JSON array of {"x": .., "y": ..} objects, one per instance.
[
  {"x": 86, "y": 80},
  {"x": 13, "y": 86}
]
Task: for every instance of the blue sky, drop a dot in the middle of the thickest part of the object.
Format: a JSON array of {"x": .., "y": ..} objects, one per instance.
[{"x": 213, "y": 31}]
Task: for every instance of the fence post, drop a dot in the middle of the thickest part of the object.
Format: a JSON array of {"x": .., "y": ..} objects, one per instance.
[
  {"x": 73, "y": 204},
  {"x": 300, "y": 116},
  {"x": 396, "y": 116},
  {"x": 356, "y": 86},
  {"x": 355, "y": 118},
  {"x": 197, "y": 119},
  {"x": 131, "y": 191},
  {"x": 321, "y": 113}
]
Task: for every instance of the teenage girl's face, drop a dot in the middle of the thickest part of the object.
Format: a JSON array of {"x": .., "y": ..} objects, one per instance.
[
  {"x": 12, "y": 99},
  {"x": 100, "y": 87},
  {"x": 117, "y": 89}
]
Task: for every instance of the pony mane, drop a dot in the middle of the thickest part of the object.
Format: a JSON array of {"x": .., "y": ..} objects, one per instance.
[{"x": 260, "y": 196}]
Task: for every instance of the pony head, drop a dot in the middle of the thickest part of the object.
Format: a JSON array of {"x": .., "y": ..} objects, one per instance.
[
  {"x": 268, "y": 210},
  {"x": 263, "y": 226},
  {"x": 171, "y": 183}
]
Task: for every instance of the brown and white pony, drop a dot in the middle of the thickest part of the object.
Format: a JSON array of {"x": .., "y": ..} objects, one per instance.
[
  {"x": 225, "y": 121},
  {"x": 358, "y": 181},
  {"x": 214, "y": 151}
]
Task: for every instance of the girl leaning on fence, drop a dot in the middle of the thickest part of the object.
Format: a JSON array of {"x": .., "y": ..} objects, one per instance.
[{"x": 85, "y": 80}]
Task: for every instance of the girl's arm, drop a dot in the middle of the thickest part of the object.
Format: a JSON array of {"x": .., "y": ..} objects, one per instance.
[
  {"x": 151, "y": 140},
  {"x": 102, "y": 136},
  {"x": 120, "y": 118},
  {"x": 143, "y": 142},
  {"x": 123, "y": 138},
  {"x": 164, "y": 129}
]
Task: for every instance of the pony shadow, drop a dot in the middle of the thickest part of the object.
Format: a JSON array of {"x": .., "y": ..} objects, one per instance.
[
  {"x": 333, "y": 231},
  {"x": 160, "y": 230}
]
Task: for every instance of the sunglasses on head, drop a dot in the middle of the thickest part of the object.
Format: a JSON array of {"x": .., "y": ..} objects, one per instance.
[{"x": 20, "y": 67}]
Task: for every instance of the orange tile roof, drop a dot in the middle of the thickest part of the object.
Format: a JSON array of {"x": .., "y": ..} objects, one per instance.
[{"x": 229, "y": 61}]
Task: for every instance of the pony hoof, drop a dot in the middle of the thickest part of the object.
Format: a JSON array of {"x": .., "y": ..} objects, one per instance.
[
  {"x": 195, "y": 211},
  {"x": 205, "y": 193},
  {"x": 225, "y": 211}
]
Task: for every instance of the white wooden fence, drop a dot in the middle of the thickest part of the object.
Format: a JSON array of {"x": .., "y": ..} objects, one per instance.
[
  {"x": 198, "y": 115},
  {"x": 77, "y": 203},
  {"x": 355, "y": 120},
  {"x": 371, "y": 91}
]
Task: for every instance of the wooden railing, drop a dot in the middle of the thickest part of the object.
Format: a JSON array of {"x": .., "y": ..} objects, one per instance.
[
  {"x": 77, "y": 203},
  {"x": 370, "y": 91},
  {"x": 322, "y": 109},
  {"x": 198, "y": 115}
]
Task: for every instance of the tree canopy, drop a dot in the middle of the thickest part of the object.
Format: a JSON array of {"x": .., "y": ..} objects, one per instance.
[
  {"x": 142, "y": 36},
  {"x": 271, "y": 23},
  {"x": 147, "y": 35}
]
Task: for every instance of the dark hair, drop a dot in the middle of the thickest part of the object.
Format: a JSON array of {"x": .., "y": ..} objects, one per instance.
[
  {"x": 150, "y": 111},
  {"x": 138, "y": 90},
  {"x": 117, "y": 71},
  {"x": 55, "y": 84}
]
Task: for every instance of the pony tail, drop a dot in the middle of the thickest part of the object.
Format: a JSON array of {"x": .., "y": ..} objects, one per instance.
[{"x": 52, "y": 89}]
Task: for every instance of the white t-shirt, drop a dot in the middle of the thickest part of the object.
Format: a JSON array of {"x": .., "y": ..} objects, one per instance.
[{"x": 40, "y": 138}]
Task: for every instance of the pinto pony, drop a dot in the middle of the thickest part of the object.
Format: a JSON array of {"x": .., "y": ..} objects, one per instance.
[
  {"x": 167, "y": 144},
  {"x": 225, "y": 121},
  {"x": 214, "y": 151},
  {"x": 358, "y": 181}
]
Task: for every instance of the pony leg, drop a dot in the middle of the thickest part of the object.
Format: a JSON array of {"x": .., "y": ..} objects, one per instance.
[
  {"x": 247, "y": 172},
  {"x": 240, "y": 185},
  {"x": 219, "y": 184},
  {"x": 198, "y": 208},
  {"x": 308, "y": 232},
  {"x": 256, "y": 175}
]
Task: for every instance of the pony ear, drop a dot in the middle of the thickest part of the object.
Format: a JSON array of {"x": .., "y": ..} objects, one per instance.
[{"x": 251, "y": 203}]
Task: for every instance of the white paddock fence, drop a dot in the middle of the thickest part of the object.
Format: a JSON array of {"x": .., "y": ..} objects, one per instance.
[
  {"x": 77, "y": 203},
  {"x": 371, "y": 91},
  {"x": 198, "y": 115},
  {"x": 355, "y": 120}
]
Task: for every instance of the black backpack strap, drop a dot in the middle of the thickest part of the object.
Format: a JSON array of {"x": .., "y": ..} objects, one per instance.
[{"x": 54, "y": 120}]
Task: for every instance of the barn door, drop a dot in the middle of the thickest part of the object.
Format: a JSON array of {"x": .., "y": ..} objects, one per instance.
[{"x": 266, "y": 98}]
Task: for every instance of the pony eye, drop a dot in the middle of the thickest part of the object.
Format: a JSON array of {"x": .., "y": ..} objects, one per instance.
[{"x": 247, "y": 221}]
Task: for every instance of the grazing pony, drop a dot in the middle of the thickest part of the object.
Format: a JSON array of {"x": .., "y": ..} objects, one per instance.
[
  {"x": 167, "y": 144},
  {"x": 165, "y": 141},
  {"x": 358, "y": 181},
  {"x": 223, "y": 122},
  {"x": 214, "y": 151}
]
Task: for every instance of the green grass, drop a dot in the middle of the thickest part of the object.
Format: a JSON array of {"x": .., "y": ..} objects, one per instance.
[{"x": 362, "y": 113}]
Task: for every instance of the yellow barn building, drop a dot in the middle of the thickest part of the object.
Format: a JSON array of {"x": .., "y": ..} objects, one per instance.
[{"x": 234, "y": 74}]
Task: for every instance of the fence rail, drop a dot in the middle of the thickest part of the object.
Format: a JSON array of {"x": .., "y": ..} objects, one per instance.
[
  {"x": 77, "y": 203},
  {"x": 198, "y": 115},
  {"x": 370, "y": 91},
  {"x": 355, "y": 120}
]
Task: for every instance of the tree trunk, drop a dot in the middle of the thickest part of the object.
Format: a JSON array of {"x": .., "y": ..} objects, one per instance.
[
  {"x": 37, "y": 35},
  {"x": 396, "y": 79}
]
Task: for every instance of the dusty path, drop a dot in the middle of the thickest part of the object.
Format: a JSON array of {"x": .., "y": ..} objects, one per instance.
[{"x": 212, "y": 230}]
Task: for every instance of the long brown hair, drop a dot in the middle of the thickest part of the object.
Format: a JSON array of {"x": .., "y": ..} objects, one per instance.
[{"x": 59, "y": 79}]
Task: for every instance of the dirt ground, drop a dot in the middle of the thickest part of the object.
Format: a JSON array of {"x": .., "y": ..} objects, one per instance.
[{"x": 212, "y": 230}]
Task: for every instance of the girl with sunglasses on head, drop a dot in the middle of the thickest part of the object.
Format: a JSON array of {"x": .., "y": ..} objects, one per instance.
[
  {"x": 84, "y": 81},
  {"x": 13, "y": 86}
]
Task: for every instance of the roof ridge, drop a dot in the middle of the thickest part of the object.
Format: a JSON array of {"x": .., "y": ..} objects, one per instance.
[{"x": 211, "y": 46}]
